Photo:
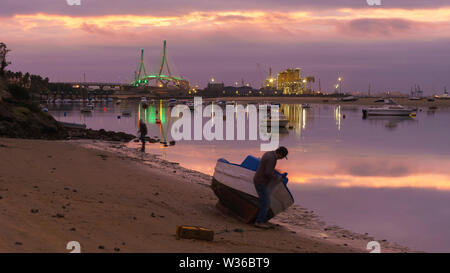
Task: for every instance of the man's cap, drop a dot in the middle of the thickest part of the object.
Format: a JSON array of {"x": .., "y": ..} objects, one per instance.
[{"x": 283, "y": 151}]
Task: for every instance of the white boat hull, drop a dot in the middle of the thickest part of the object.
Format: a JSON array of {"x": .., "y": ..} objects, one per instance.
[
  {"x": 234, "y": 184},
  {"x": 381, "y": 112}
]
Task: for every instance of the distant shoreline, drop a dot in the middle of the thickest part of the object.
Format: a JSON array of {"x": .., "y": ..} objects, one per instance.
[{"x": 363, "y": 101}]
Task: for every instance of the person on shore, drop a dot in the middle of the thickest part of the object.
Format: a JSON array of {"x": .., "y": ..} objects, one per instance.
[
  {"x": 143, "y": 133},
  {"x": 265, "y": 174}
]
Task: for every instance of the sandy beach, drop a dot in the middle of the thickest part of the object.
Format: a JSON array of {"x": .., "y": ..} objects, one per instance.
[{"x": 110, "y": 198}]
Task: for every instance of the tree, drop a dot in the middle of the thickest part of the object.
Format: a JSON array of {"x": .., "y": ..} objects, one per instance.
[{"x": 3, "y": 52}]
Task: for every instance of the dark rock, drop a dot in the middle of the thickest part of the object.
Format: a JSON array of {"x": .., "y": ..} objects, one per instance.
[
  {"x": 238, "y": 230},
  {"x": 101, "y": 247},
  {"x": 34, "y": 210},
  {"x": 116, "y": 249},
  {"x": 19, "y": 243},
  {"x": 25, "y": 120}
]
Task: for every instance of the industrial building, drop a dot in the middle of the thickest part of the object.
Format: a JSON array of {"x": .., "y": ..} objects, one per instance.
[{"x": 290, "y": 82}]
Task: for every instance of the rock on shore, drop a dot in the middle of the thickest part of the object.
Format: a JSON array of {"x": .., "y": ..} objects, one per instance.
[{"x": 25, "y": 120}]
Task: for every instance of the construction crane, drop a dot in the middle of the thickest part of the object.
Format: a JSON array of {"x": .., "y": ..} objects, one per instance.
[{"x": 261, "y": 74}]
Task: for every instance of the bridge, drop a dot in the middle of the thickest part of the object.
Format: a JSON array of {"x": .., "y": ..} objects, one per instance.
[
  {"x": 159, "y": 79},
  {"x": 158, "y": 83}
]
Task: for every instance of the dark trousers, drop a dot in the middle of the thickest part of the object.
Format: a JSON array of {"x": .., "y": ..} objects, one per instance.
[
  {"x": 143, "y": 143},
  {"x": 264, "y": 202}
]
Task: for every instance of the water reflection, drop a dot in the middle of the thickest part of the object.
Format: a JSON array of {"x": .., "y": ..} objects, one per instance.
[
  {"x": 389, "y": 123},
  {"x": 347, "y": 169}
]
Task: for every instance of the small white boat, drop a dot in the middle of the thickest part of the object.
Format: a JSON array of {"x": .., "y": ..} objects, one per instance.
[
  {"x": 388, "y": 110},
  {"x": 415, "y": 98},
  {"x": 349, "y": 98},
  {"x": 118, "y": 101},
  {"x": 233, "y": 185},
  {"x": 306, "y": 105},
  {"x": 444, "y": 96}
]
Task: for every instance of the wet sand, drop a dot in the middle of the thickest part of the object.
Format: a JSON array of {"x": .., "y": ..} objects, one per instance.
[{"x": 110, "y": 198}]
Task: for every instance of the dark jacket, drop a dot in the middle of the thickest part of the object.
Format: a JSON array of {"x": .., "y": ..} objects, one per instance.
[
  {"x": 266, "y": 169},
  {"x": 143, "y": 129}
]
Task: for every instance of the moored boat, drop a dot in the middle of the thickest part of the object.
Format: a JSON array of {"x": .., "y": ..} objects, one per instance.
[
  {"x": 233, "y": 185},
  {"x": 282, "y": 120},
  {"x": 349, "y": 98},
  {"x": 388, "y": 110}
]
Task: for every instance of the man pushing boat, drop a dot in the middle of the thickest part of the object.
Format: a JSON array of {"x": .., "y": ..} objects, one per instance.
[{"x": 264, "y": 176}]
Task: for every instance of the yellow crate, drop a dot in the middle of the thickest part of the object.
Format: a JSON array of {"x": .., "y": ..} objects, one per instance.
[{"x": 194, "y": 232}]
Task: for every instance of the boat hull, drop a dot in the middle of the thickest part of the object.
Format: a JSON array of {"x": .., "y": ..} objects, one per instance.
[
  {"x": 382, "y": 112},
  {"x": 234, "y": 187}
]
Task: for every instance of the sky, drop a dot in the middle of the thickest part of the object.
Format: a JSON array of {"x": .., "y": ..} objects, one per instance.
[{"x": 391, "y": 47}]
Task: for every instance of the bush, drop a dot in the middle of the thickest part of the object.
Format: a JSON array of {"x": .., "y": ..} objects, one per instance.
[{"x": 18, "y": 92}]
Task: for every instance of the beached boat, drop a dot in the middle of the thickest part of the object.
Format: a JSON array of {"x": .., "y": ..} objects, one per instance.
[
  {"x": 306, "y": 105},
  {"x": 118, "y": 101},
  {"x": 73, "y": 125},
  {"x": 233, "y": 185},
  {"x": 388, "y": 110}
]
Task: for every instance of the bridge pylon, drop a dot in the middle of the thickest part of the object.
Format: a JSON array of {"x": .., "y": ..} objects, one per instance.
[{"x": 140, "y": 76}]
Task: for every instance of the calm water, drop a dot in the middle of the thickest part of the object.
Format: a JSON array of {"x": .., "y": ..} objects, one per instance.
[{"x": 389, "y": 177}]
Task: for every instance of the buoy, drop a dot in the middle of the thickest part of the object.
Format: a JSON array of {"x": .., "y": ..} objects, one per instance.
[
  {"x": 413, "y": 114},
  {"x": 118, "y": 117},
  {"x": 343, "y": 116},
  {"x": 65, "y": 113},
  {"x": 104, "y": 109},
  {"x": 158, "y": 121}
]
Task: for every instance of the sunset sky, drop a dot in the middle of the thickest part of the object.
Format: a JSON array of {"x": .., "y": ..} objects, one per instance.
[{"x": 393, "y": 46}]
